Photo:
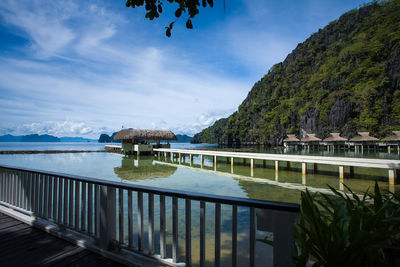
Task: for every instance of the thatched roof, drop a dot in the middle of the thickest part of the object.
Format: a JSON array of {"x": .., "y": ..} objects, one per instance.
[
  {"x": 144, "y": 134},
  {"x": 291, "y": 138},
  {"x": 364, "y": 137},
  {"x": 335, "y": 137},
  {"x": 395, "y": 137},
  {"x": 311, "y": 138}
]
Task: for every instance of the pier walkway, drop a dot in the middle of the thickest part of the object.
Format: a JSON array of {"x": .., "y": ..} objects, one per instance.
[
  {"x": 393, "y": 166},
  {"x": 23, "y": 245}
]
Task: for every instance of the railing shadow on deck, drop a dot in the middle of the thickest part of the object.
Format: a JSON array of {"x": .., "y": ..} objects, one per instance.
[{"x": 99, "y": 215}]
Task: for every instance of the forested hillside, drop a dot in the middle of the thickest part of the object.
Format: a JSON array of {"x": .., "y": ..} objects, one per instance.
[{"x": 343, "y": 78}]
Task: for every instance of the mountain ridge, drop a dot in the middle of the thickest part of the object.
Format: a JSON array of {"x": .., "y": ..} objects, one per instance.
[{"x": 344, "y": 78}]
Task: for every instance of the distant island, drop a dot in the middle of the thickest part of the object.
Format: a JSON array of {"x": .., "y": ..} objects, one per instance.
[
  {"x": 42, "y": 138},
  {"x": 105, "y": 138}
]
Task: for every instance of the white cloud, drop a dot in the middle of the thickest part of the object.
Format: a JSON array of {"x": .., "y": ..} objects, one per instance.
[{"x": 56, "y": 128}]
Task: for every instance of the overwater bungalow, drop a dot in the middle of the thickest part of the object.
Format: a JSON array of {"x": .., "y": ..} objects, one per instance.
[
  {"x": 393, "y": 141},
  {"x": 142, "y": 141},
  {"x": 291, "y": 140},
  {"x": 335, "y": 140},
  {"x": 363, "y": 140},
  {"x": 310, "y": 140}
]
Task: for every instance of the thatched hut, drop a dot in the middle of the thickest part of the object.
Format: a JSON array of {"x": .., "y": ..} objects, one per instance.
[
  {"x": 135, "y": 140},
  {"x": 291, "y": 140},
  {"x": 310, "y": 140},
  {"x": 393, "y": 141},
  {"x": 363, "y": 139},
  {"x": 334, "y": 140}
]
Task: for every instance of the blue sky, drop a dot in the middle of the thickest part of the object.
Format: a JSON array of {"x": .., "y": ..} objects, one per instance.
[{"x": 81, "y": 68}]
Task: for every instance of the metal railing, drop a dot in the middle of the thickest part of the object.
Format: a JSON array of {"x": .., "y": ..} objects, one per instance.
[{"x": 104, "y": 210}]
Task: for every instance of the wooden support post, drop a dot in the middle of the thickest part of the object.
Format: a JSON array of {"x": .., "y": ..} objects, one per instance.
[
  {"x": 227, "y": 160},
  {"x": 191, "y": 159},
  {"x": 288, "y": 165},
  {"x": 392, "y": 177},
  {"x": 244, "y": 161},
  {"x": 264, "y": 163},
  {"x": 315, "y": 167},
  {"x": 276, "y": 166},
  {"x": 159, "y": 154},
  {"x": 201, "y": 160}
]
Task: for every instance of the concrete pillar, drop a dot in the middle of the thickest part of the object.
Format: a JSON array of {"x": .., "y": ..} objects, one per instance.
[
  {"x": 252, "y": 166},
  {"x": 276, "y": 166},
  {"x": 341, "y": 174},
  {"x": 303, "y": 168},
  {"x": 277, "y": 176},
  {"x": 392, "y": 177},
  {"x": 201, "y": 160},
  {"x": 303, "y": 172},
  {"x": 159, "y": 154},
  {"x": 191, "y": 159},
  {"x": 165, "y": 156},
  {"x": 388, "y": 149},
  {"x": 362, "y": 148},
  {"x": 232, "y": 162},
  {"x": 215, "y": 161},
  {"x": 179, "y": 158},
  {"x": 351, "y": 171}
]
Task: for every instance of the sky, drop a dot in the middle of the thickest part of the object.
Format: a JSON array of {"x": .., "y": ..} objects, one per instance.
[{"x": 86, "y": 67}]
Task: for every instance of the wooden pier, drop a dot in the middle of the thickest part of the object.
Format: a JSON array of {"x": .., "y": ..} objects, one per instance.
[
  {"x": 23, "y": 245},
  {"x": 393, "y": 166}
]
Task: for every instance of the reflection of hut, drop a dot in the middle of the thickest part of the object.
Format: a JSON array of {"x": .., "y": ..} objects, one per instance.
[
  {"x": 310, "y": 140},
  {"x": 334, "y": 140},
  {"x": 134, "y": 140},
  {"x": 364, "y": 139},
  {"x": 291, "y": 140},
  {"x": 133, "y": 169},
  {"x": 393, "y": 141}
]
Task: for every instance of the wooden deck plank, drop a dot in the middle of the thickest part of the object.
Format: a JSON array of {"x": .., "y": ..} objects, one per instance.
[{"x": 23, "y": 245}]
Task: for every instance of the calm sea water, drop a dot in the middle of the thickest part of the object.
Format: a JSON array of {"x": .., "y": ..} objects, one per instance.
[{"x": 167, "y": 173}]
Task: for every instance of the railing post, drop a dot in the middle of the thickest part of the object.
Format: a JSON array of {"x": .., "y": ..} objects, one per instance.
[
  {"x": 283, "y": 237},
  {"x": 108, "y": 213}
]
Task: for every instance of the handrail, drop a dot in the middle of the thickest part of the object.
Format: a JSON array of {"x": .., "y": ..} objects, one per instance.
[
  {"x": 251, "y": 203},
  {"x": 98, "y": 209}
]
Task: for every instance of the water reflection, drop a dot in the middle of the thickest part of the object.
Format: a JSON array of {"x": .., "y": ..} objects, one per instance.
[{"x": 140, "y": 168}]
